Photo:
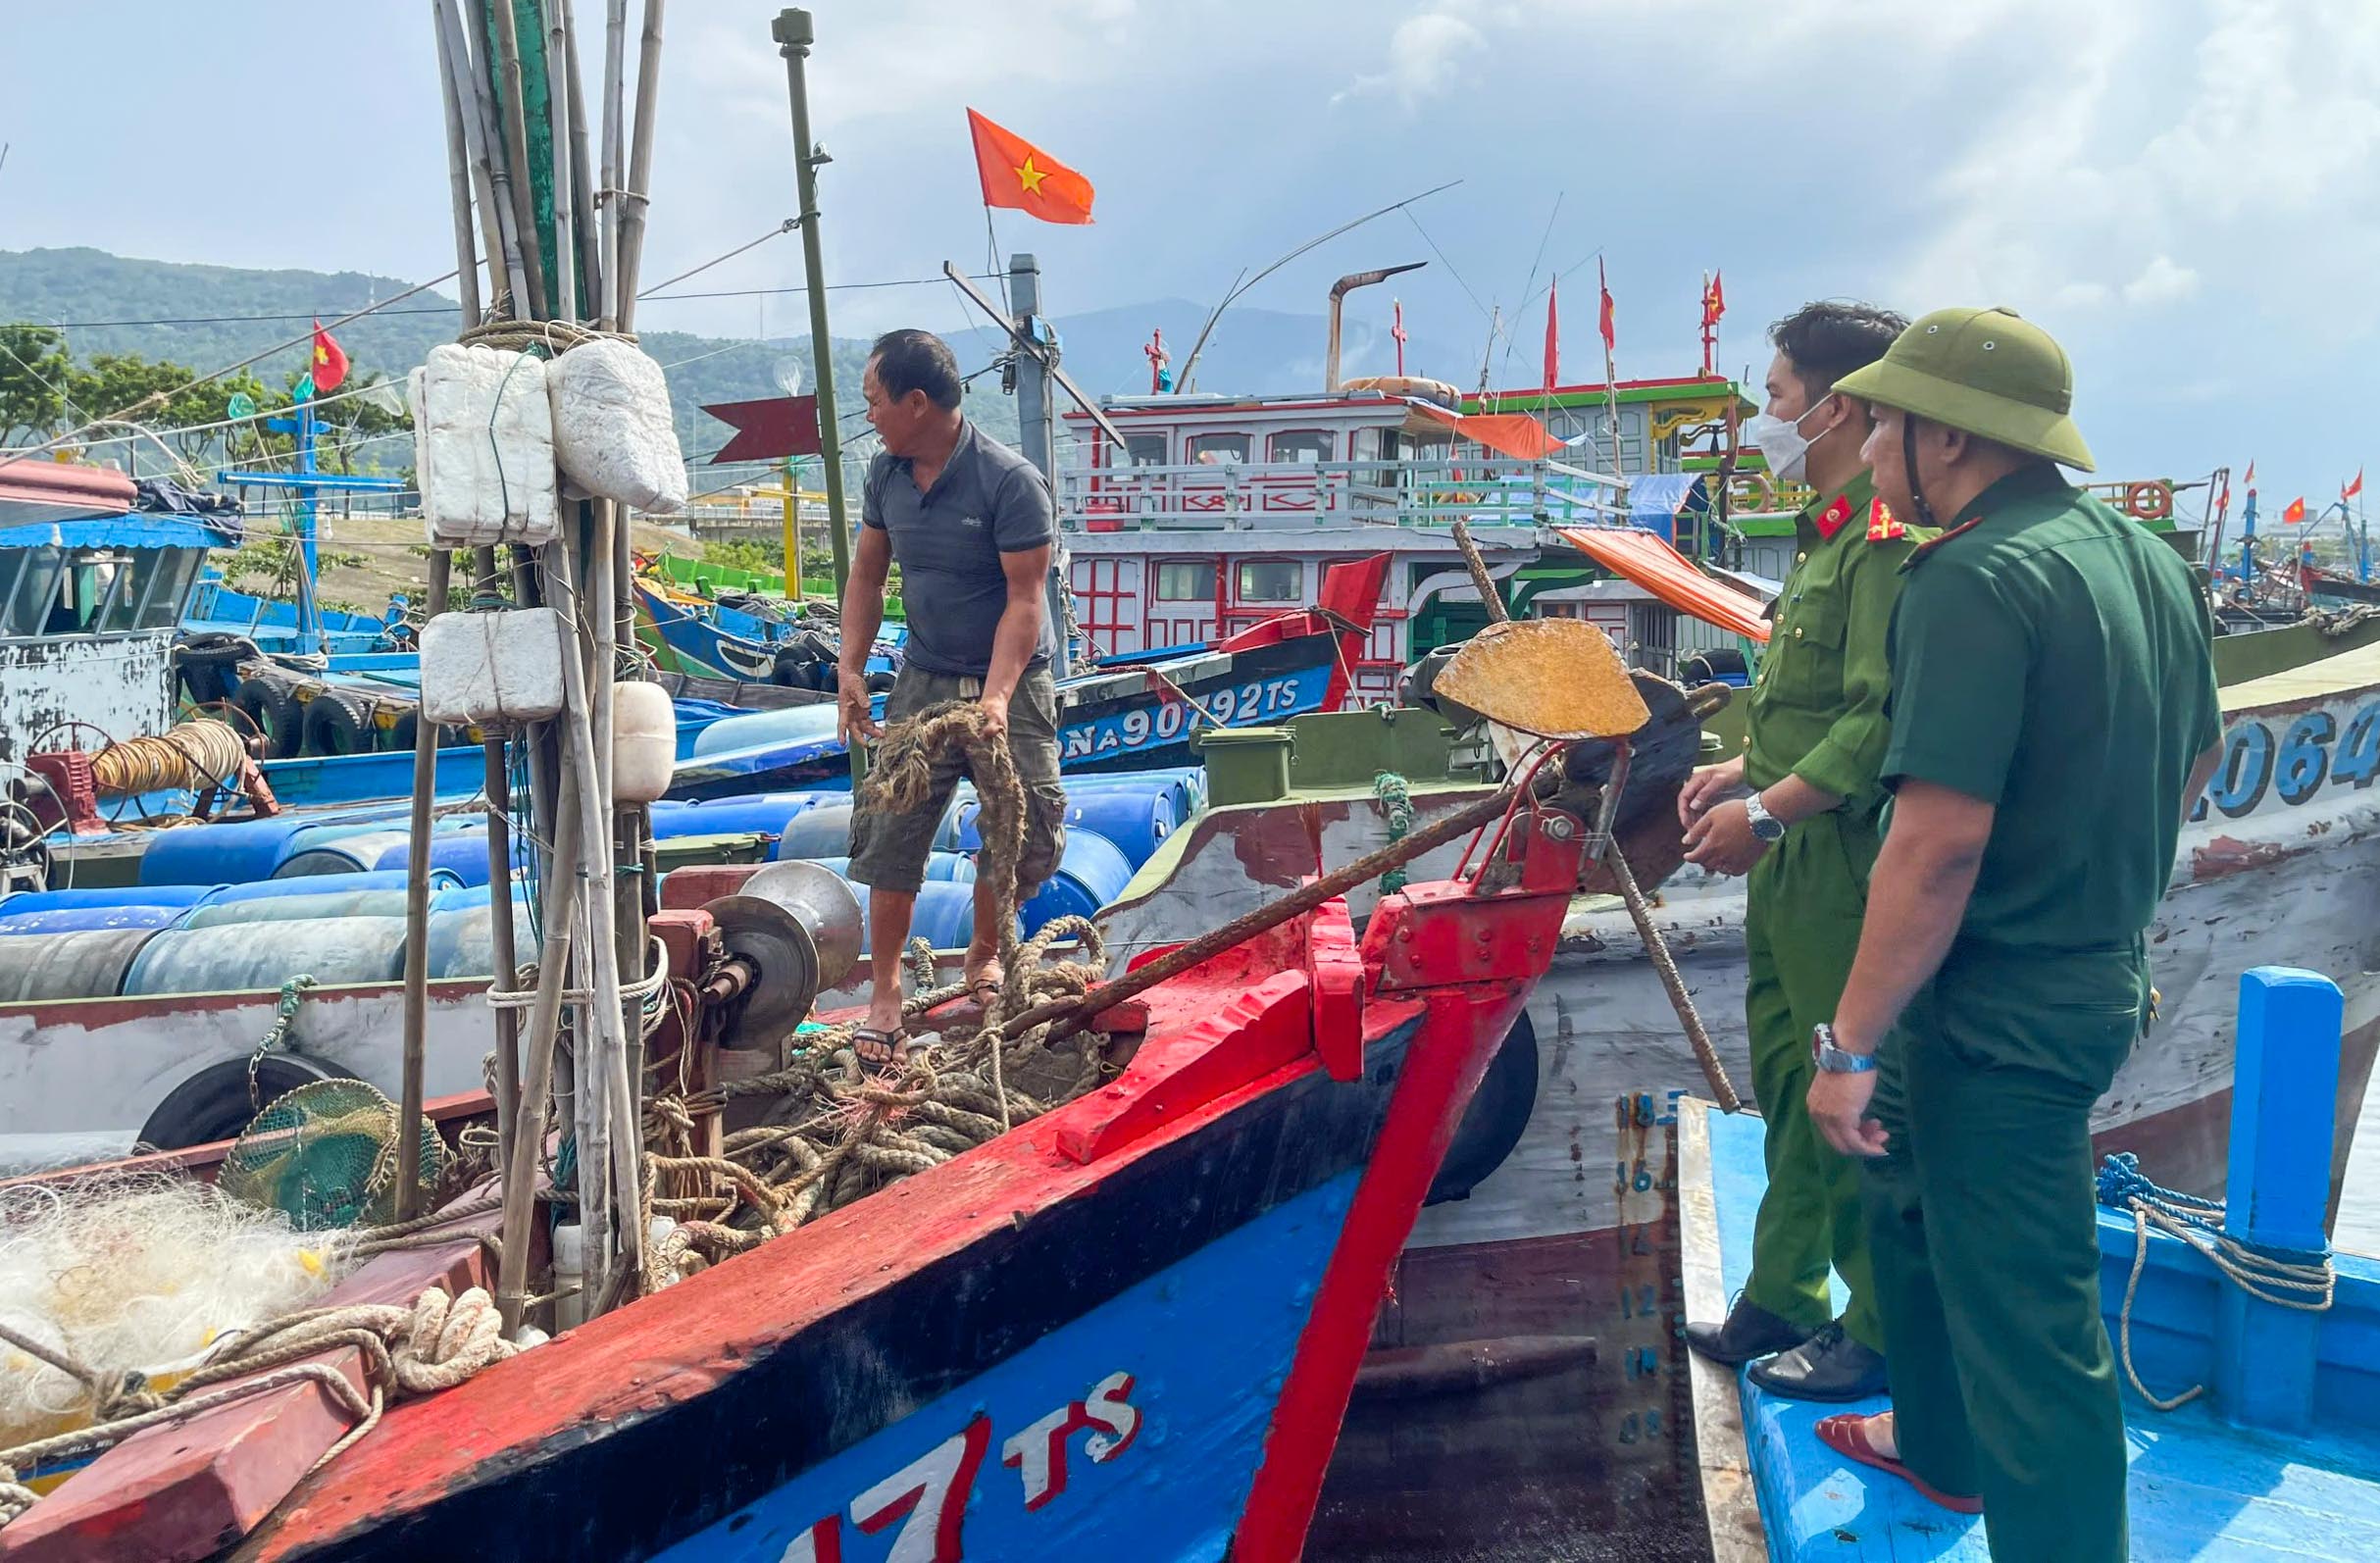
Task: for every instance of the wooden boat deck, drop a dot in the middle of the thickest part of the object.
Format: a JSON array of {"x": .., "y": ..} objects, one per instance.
[{"x": 2201, "y": 1490}]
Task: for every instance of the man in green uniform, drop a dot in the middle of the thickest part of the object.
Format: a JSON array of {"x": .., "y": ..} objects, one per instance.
[
  {"x": 1808, "y": 833},
  {"x": 2054, "y": 718}
]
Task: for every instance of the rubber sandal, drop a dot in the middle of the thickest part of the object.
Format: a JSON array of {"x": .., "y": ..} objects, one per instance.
[
  {"x": 876, "y": 1049},
  {"x": 977, "y": 991},
  {"x": 1847, "y": 1436}
]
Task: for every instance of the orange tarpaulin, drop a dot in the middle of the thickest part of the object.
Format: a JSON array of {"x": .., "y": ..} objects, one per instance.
[
  {"x": 1643, "y": 558},
  {"x": 1514, "y": 434}
]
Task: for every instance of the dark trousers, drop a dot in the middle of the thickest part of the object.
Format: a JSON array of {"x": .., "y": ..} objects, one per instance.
[{"x": 1986, "y": 1246}]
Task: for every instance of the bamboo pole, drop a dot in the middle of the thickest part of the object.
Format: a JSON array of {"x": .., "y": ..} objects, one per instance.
[
  {"x": 458, "y": 179},
  {"x": 417, "y": 931},
  {"x": 585, "y": 200},
  {"x": 490, "y": 178},
  {"x": 516, "y": 151},
  {"x": 537, "y": 1080},
  {"x": 561, "y": 282},
  {"x": 614, "y": 89},
  {"x": 639, "y": 164}
]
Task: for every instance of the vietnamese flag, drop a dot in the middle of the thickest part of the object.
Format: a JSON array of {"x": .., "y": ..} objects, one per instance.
[
  {"x": 1608, "y": 320},
  {"x": 2295, "y": 513},
  {"x": 1017, "y": 173},
  {"x": 1714, "y": 300},
  {"x": 330, "y": 361},
  {"x": 2354, "y": 488},
  {"x": 2249, "y": 482}
]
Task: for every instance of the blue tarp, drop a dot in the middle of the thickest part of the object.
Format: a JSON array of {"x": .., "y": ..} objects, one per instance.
[
  {"x": 131, "y": 531},
  {"x": 1657, "y": 499}
]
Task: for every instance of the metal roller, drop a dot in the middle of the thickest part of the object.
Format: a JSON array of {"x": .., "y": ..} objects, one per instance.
[{"x": 798, "y": 929}]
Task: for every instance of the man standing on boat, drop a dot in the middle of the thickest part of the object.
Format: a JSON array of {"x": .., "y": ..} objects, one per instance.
[
  {"x": 1807, "y": 833},
  {"x": 969, "y": 522},
  {"x": 2054, "y": 718}
]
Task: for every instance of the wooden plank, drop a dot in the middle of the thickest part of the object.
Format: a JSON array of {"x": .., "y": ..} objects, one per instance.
[{"x": 1731, "y": 1506}]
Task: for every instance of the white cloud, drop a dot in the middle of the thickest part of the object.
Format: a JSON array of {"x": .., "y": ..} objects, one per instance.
[
  {"x": 1426, "y": 54},
  {"x": 2161, "y": 281}
]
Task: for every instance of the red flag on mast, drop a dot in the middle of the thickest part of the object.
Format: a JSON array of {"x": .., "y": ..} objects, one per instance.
[
  {"x": 2354, "y": 488},
  {"x": 2295, "y": 513},
  {"x": 1714, "y": 302},
  {"x": 1612, "y": 336},
  {"x": 1017, "y": 173},
  {"x": 2249, "y": 482},
  {"x": 1553, "y": 340},
  {"x": 329, "y": 365}
]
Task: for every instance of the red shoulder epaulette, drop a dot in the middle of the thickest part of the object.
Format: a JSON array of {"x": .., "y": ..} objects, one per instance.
[
  {"x": 1931, "y": 544},
  {"x": 1883, "y": 524}
]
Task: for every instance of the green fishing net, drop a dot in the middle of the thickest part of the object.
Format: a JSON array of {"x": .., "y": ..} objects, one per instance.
[{"x": 325, "y": 1155}]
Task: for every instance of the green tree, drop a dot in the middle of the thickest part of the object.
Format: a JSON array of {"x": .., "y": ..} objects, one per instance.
[{"x": 32, "y": 369}]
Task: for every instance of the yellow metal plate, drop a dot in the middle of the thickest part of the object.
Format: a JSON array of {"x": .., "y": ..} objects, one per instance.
[{"x": 1555, "y": 678}]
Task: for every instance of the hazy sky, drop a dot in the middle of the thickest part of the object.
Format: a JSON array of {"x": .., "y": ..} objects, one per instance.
[{"x": 2187, "y": 192}]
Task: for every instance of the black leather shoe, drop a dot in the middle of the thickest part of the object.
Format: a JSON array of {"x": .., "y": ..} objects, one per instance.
[
  {"x": 1830, "y": 1366},
  {"x": 1749, "y": 1331}
]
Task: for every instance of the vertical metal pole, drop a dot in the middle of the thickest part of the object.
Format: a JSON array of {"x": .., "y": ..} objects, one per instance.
[
  {"x": 1038, "y": 433},
  {"x": 793, "y": 522},
  {"x": 417, "y": 930},
  {"x": 794, "y": 32},
  {"x": 309, "y": 611}
]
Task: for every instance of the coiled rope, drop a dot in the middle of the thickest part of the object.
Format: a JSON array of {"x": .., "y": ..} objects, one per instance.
[
  {"x": 2287, "y": 1277},
  {"x": 837, "y": 1134},
  {"x": 198, "y": 753}
]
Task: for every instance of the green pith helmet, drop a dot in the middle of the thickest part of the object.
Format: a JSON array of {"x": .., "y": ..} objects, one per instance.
[{"x": 1986, "y": 372}]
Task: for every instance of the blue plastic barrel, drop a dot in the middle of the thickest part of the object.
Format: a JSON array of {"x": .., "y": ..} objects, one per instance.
[
  {"x": 1132, "y": 818},
  {"x": 248, "y": 957},
  {"x": 1092, "y": 873},
  {"x": 215, "y": 854},
  {"x": 337, "y": 849},
  {"x": 84, "y": 918},
  {"x": 110, "y": 895},
  {"x": 945, "y": 915},
  {"x": 794, "y": 725},
  {"x": 91, "y": 964},
  {"x": 945, "y": 868},
  {"x": 320, "y": 885},
  {"x": 761, "y": 814},
  {"x": 820, "y": 830},
  {"x": 341, "y": 902},
  {"x": 461, "y": 854},
  {"x": 460, "y": 942}
]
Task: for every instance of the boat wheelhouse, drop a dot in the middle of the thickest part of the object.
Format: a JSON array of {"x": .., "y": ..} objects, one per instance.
[{"x": 1219, "y": 510}]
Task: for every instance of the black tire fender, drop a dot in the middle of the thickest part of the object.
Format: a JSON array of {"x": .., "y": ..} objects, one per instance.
[{"x": 214, "y": 1103}]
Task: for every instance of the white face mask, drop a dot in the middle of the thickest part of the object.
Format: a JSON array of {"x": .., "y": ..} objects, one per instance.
[{"x": 1780, "y": 441}]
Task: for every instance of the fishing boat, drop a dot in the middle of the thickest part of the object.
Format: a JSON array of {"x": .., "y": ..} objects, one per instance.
[
  {"x": 1126, "y": 712},
  {"x": 1549, "y": 1229},
  {"x": 2249, "y": 1394},
  {"x": 1049, "y": 1296}
]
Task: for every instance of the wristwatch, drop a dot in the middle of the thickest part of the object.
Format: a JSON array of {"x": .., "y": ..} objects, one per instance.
[
  {"x": 1766, "y": 826},
  {"x": 1834, "y": 1060}
]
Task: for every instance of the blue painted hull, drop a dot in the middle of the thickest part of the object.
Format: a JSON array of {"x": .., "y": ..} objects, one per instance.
[{"x": 1108, "y": 720}]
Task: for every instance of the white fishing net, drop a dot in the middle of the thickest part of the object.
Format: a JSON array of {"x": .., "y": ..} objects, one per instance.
[{"x": 138, "y": 1275}]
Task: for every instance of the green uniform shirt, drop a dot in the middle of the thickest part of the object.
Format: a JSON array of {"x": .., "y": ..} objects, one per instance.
[
  {"x": 2051, "y": 658},
  {"x": 1818, "y": 710}
]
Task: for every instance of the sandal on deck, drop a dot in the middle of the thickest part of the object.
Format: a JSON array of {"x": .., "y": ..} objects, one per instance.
[
  {"x": 878, "y": 1050},
  {"x": 976, "y": 990},
  {"x": 1847, "y": 1436}
]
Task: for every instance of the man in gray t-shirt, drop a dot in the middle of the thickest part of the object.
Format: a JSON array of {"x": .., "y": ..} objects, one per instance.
[{"x": 969, "y": 522}]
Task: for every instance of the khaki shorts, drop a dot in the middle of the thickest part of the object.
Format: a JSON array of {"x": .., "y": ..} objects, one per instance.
[{"x": 888, "y": 851}]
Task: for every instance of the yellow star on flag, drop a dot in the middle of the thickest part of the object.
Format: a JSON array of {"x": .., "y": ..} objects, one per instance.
[{"x": 1029, "y": 177}]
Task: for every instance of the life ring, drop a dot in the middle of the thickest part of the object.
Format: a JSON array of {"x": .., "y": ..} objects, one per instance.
[{"x": 2149, "y": 501}]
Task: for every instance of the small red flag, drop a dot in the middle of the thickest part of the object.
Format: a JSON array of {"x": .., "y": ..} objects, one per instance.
[
  {"x": 1714, "y": 302},
  {"x": 2354, "y": 488},
  {"x": 2295, "y": 513},
  {"x": 2249, "y": 482},
  {"x": 1554, "y": 340},
  {"x": 330, "y": 361},
  {"x": 1017, "y": 173},
  {"x": 1611, "y": 334}
]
